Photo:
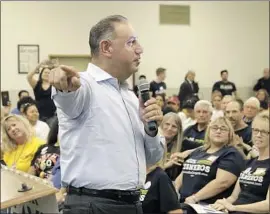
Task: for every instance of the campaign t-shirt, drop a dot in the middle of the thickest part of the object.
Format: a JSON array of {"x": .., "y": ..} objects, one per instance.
[
  {"x": 245, "y": 134},
  {"x": 45, "y": 159},
  {"x": 193, "y": 138},
  {"x": 226, "y": 88},
  {"x": 158, "y": 195},
  {"x": 174, "y": 170},
  {"x": 254, "y": 182},
  {"x": 157, "y": 88},
  {"x": 201, "y": 168}
]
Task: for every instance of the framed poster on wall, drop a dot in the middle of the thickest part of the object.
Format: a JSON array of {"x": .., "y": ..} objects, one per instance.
[{"x": 28, "y": 58}]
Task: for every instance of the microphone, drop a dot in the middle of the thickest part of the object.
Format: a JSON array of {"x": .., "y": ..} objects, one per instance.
[{"x": 144, "y": 87}]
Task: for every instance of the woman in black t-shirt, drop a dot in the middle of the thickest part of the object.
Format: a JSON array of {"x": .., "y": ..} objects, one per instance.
[
  {"x": 210, "y": 171},
  {"x": 251, "y": 193},
  {"x": 158, "y": 194},
  {"x": 47, "y": 155}
]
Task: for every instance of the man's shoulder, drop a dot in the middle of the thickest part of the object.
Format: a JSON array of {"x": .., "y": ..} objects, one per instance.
[
  {"x": 218, "y": 82},
  {"x": 153, "y": 82},
  {"x": 190, "y": 129}
]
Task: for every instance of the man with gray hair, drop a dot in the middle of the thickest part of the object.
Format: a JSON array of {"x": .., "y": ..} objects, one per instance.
[
  {"x": 194, "y": 135},
  {"x": 103, "y": 129},
  {"x": 251, "y": 109}
]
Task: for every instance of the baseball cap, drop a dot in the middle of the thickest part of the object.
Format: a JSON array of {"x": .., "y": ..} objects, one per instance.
[{"x": 173, "y": 99}]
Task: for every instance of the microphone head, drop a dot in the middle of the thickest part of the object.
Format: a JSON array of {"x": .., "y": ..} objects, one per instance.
[{"x": 143, "y": 85}]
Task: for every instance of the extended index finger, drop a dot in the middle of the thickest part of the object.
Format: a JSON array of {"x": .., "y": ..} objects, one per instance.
[{"x": 70, "y": 71}]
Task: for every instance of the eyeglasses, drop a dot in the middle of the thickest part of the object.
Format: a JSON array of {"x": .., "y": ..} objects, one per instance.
[
  {"x": 262, "y": 132},
  {"x": 216, "y": 128}
]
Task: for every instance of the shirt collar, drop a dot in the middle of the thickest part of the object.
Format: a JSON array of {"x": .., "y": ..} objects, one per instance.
[
  {"x": 190, "y": 82},
  {"x": 100, "y": 75}
]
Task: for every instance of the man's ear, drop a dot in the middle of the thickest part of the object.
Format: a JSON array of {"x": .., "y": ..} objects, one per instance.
[{"x": 105, "y": 48}]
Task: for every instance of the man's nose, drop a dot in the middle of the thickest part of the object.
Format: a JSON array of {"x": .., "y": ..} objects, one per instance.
[{"x": 139, "y": 49}]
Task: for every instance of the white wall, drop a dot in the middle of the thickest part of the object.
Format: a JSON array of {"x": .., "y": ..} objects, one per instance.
[{"x": 222, "y": 35}]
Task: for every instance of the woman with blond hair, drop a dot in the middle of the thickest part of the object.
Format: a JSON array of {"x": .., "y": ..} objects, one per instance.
[
  {"x": 210, "y": 171},
  {"x": 251, "y": 193},
  {"x": 19, "y": 143},
  {"x": 172, "y": 130}
]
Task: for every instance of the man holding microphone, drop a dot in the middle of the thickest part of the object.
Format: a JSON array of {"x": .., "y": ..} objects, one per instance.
[{"x": 104, "y": 136}]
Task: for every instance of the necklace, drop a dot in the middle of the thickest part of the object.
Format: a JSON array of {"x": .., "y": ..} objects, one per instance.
[{"x": 15, "y": 159}]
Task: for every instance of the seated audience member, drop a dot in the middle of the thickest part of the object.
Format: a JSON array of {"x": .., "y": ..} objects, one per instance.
[
  {"x": 251, "y": 109},
  {"x": 225, "y": 86},
  {"x": 21, "y": 94},
  {"x": 216, "y": 92},
  {"x": 47, "y": 155},
  {"x": 234, "y": 112},
  {"x": 24, "y": 101},
  {"x": 264, "y": 82},
  {"x": 171, "y": 128},
  {"x": 263, "y": 97},
  {"x": 194, "y": 135},
  {"x": 158, "y": 86},
  {"x": 135, "y": 88},
  {"x": 251, "y": 192},
  {"x": 19, "y": 143},
  {"x": 160, "y": 101},
  {"x": 217, "y": 110},
  {"x": 158, "y": 194},
  {"x": 187, "y": 114},
  {"x": 189, "y": 88},
  {"x": 31, "y": 113},
  {"x": 225, "y": 100},
  {"x": 210, "y": 172},
  {"x": 174, "y": 103}
]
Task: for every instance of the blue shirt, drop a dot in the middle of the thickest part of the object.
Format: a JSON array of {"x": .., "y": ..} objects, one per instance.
[
  {"x": 103, "y": 142},
  {"x": 56, "y": 174},
  {"x": 16, "y": 111}
]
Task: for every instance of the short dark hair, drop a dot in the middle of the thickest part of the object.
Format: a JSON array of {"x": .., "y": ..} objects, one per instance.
[
  {"x": 190, "y": 102},
  {"x": 103, "y": 29},
  {"x": 223, "y": 71},
  {"x": 23, "y": 101},
  {"x": 26, "y": 106},
  {"x": 22, "y": 91},
  {"x": 241, "y": 103},
  {"x": 168, "y": 109},
  {"x": 160, "y": 70},
  {"x": 142, "y": 76}
]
